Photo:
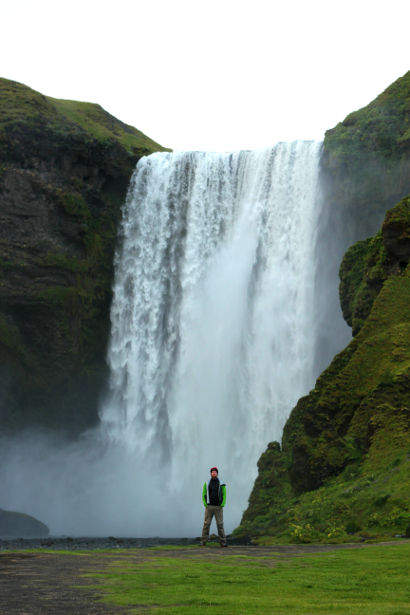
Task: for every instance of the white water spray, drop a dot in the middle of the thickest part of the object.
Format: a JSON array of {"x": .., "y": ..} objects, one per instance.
[
  {"x": 212, "y": 344},
  {"x": 212, "y": 319}
]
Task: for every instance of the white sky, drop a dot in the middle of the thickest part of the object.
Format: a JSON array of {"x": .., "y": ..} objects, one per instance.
[{"x": 214, "y": 75}]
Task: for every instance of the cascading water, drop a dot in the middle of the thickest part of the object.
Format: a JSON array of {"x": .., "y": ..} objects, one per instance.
[
  {"x": 212, "y": 319},
  {"x": 213, "y": 337}
]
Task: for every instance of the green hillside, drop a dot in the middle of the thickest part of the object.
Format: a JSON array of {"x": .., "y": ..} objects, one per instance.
[
  {"x": 21, "y": 107},
  {"x": 342, "y": 472},
  {"x": 64, "y": 171}
]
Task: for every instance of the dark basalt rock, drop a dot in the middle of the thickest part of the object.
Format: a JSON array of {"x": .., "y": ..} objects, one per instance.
[
  {"x": 64, "y": 171},
  {"x": 396, "y": 232},
  {"x": 20, "y": 525}
]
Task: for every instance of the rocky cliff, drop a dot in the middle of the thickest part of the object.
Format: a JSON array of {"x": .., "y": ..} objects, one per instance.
[
  {"x": 64, "y": 171},
  {"x": 365, "y": 170},
  {"x": 342, "y": 469},
  {"x": 366, "y": 162}
]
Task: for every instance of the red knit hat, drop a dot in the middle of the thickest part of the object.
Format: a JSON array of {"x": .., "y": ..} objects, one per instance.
[{"x": 214, "y": 468}]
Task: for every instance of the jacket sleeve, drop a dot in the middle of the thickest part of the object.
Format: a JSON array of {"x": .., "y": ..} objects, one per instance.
[
  {"x": 223, "y": 495},
  {"x": 204, "y": 490}
]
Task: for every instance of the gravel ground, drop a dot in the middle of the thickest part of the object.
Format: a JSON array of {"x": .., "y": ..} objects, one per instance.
[
  {"x": 90, "y": 543},
  {"x": 51, "y": 583}
]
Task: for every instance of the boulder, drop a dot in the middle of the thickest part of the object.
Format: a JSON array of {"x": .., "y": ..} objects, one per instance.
[{"x": 19, "y": 525}]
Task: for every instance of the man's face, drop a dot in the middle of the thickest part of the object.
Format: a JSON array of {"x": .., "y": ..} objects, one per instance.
[{"x": 214, "y": 474}]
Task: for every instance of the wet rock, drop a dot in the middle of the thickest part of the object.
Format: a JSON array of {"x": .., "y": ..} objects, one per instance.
[{"x": 16, "y": 524}]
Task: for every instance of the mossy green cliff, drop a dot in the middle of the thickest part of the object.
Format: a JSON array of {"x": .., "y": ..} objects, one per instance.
[
  {"x": 343, "y": 470},
  {"x": 365, "y": 170},
  {"x": 366, "y": 161},
  {"x": 64, "y": 171}
]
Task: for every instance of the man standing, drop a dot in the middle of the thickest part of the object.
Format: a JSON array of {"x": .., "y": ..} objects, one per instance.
[{"x": 214, "y": 498}]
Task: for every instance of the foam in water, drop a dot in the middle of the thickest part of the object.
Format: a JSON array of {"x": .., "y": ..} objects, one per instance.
[{"x": 212, "y": 344}]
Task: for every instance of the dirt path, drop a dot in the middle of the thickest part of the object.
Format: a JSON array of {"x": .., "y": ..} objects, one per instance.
[{"x": 46, "y": 583}]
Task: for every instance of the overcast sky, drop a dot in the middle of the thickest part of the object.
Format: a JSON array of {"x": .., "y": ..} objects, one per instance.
[{"x": 215, "y": 75}]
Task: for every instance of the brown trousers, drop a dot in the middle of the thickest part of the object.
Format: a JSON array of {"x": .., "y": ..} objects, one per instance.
[{"x": 210, "y": 513}]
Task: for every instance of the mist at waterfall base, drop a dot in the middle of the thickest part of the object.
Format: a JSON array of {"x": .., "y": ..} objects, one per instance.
[{"x": 214, "y": 325}]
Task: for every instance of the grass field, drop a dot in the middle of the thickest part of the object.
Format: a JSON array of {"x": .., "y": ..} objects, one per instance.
[{"x": 374, "y": 580}]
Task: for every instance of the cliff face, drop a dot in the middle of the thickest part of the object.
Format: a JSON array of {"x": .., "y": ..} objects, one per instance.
[
  {"x": 342, "y": 469},
  {"x": 64, "y": 171},
  {"x": 365, "y": 170},
  {"x": 342, "y": 472},
  {"x": 369, "y": 263},
  {"x": 366, "y": 161}
]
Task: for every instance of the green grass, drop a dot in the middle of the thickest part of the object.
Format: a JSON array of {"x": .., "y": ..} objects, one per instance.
[
  {"x": 95, "y": 120},
  {"x": 374, "y": 580},
  {"x": 24, "y": 106},
  {"x": 380, "y": 127}
]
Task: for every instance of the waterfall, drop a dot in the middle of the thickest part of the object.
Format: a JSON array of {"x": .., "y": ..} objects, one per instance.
[
  {"x": 213, "y": 328},
  {"x": 219, "y": 295}
]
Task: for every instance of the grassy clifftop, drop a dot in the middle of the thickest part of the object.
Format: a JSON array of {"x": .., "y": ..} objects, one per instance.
[
  {"x": 382, "y": 127},
  {"x": 343, "y": 470},
  {"x": 21, "y": 107},
  {"x": 366, "y": 160},
  {"x": 64, "y": 171}
]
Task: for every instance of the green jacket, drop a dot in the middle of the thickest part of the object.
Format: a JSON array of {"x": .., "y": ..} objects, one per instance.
[{"x": 221, "y": 494}]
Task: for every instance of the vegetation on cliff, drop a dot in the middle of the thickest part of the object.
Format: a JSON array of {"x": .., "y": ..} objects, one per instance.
[
  {"x": 367, "y": 264},
  {"x": 379, "y": 128},
  {"x": 366, "y": 160},
  {"x": 343, "y": 470},
  {"x": 64, "y": 171},
  {"x": 24, "y": 111}
]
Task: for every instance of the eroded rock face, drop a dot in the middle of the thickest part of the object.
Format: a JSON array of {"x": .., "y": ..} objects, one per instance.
[
  {"x": 19, "y": 525},
  {"x": 64, "y": 172},
  {"x": 369, "y": 263},
  {"x": 396, "y": 232}
]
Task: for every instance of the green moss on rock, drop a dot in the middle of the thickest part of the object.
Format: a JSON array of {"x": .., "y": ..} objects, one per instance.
[
  {"x": 75, "y": 205},
  {"x": 396, "y": 232},
  {"x": 364, "y": 268},
  {"x": 366, "y": 160},
  {"x": 21, "y": 107},
  {"x": 344, "y": 463},
  {"x": 367, "y": 264},
  {"x": 65, "y": 167},
  {"x": 380, "y": 127}
]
